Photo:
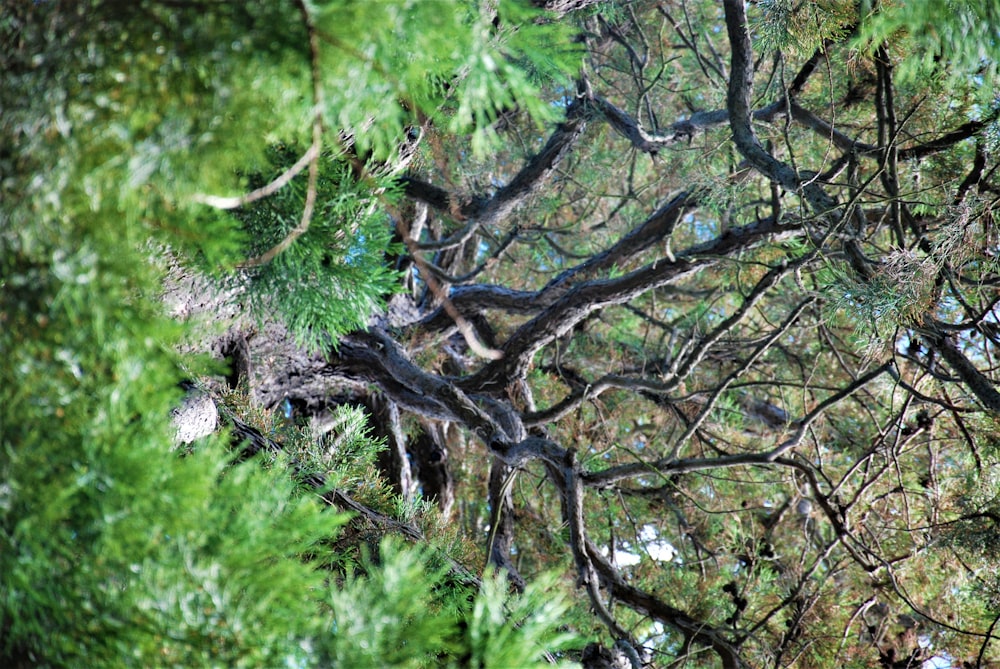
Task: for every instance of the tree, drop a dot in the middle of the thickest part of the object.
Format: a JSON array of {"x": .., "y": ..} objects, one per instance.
[
  {"x": 118, "y": 546},
  {"x": 691, "y": 303}
]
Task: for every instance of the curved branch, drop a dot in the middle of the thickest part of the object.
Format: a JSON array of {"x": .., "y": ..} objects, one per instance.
[
  {"x": 468, "y": 332},
  {"x": 314, "y": 149},
  {"x": 982, "y": 387},
  {"x": 680, "y": 370},
  {"x": 572, "y": 307},
  {"x": 656, "y": 228},
  {"x": 648, "y": 604},
  {"x": 222, "y": 202},
  {"x": 668, "y": 466},
  {"x": 738, "y": 98},
  {"x": 587, "y": 574},
  {"x": 491, "y": 211}
]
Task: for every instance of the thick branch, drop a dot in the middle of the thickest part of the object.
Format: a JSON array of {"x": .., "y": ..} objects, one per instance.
[
  {"x": 535, "y": 174},
  {"x": 655, "y": 229},
  {"x": 738, "y": 99},
  {"x": 976, "y": 381},
  {"x": 679, "y": 371},
  {"x": 644, "y": 602},
  {"x": 557, "y": 319},
  {"x": 377, "y": 358}
]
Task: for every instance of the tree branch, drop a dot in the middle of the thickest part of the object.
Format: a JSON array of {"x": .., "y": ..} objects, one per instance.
[{"x": 314, "y": 149}]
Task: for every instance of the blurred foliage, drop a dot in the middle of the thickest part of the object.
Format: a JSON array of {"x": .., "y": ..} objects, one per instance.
[
  {"x": 951, "y": 41},
  {"x": 116, "y": 549}
]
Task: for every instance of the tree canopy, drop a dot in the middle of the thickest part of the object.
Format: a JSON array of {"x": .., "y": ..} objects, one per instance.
[{"x": 620, "y": 333}]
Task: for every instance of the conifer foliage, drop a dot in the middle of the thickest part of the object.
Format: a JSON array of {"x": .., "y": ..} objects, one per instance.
[{"x": 124, "y": 126}]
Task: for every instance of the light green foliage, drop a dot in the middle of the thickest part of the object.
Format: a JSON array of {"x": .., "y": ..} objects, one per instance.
[
  {"x": 952, "y": 40},
  {"x": 391, "y": 612},
  {"x": 395, "y": 74},
  {"x": 386, "y": 610},
  {"x": 505, "y": 631},
  {"x": 782, "y": 24},
  {"x": 896, "y": 296},
  {"x": 132, "y": 112},
  {"x": 116, "y": 551},
  {"x": 460, "y": 82},
  {"x": 334, "y": 276},
  {"x": 345, "y": 455}
]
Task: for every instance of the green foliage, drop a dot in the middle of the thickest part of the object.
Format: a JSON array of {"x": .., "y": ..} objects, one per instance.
[
  {"x": 387, "y": 610},
  {"x": 511, "y": 631},
  {"x": 140, "y": 566},
  {"x": 346, "y": 454},
  {"x": 115, "y": 104},
  {"x": 334, "y": 276},
  {"x": 114, "y": 550},
  {"x": 403, "y": 608},
  {"x": 952, "y": 40},
  {"x": 460, "y": 82},
  {"x": 802, "y": 27},
  {"x": 117, "y": 550},
  {"x": 896, "y": 295}
]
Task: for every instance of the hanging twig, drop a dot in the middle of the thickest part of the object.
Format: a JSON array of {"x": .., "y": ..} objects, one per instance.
[
  {"x": 310, "y": 158},
  {"x": 432, "y": 283},
  {"x": 222, "y": 202},
  {"x": 314, "y": 149}
]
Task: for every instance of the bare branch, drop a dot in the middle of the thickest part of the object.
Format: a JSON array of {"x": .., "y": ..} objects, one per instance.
[{"x": 468, "y": 333}]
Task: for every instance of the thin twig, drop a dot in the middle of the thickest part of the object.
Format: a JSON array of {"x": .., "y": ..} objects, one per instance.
[
  {"x": 313, "y": 153},
  {"x": 307, "y": 210},
  {"x": 221, "y": 202},
  {"x": 464, "y": 327}
]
